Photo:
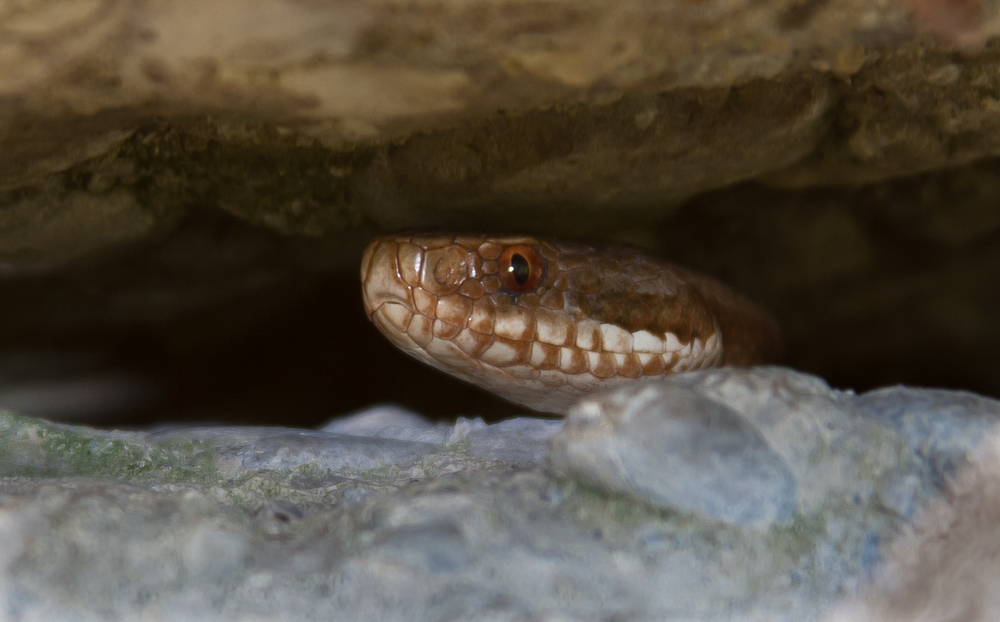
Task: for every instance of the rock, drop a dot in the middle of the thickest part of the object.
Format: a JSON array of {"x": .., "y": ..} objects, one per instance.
[
  {"x": 944, "y": 566},
  {"x": 818, "y": 432},
  {"x": 523, "y": 441},
  {"x": 389, "y": 421},
  {"x": 231, "y": 523},
  {"x": 675, "y": 448},
  {"x": 738, "y": 446},
  {"x": 941, "y": 427},
  {"x": 43, "y": 231},
  {"x": 517, "y": 441}
]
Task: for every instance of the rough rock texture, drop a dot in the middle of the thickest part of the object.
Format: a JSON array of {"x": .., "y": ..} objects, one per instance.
[
  {"x": 944, "y": 567},
  {"x": 181, "y": 179},
  {"x": 383, "y": 516},
  {"x": 676, "y": 448}
]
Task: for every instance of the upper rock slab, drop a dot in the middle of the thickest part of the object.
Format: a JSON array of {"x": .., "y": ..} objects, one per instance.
[{"x": 357, "y": 71}]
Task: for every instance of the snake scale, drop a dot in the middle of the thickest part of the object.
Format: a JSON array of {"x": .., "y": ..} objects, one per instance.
[{"x": 542, "y": 322}]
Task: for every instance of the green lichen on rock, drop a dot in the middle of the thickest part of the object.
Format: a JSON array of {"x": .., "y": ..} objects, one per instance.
[
  {"x": 250, "y": 490},
  {"x": 463, "y": 447},
  {"x": 35, "y": 448}
]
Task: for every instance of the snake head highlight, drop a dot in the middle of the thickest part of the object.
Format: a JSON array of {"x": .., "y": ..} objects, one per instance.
[{"x": 542, "y": 323}]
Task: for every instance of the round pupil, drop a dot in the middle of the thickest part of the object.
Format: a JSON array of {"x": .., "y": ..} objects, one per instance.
[{"x": 519, "y": 269}]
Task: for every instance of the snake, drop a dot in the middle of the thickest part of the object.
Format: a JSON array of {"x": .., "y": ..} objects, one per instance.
[{"x": 542, "y": 322}]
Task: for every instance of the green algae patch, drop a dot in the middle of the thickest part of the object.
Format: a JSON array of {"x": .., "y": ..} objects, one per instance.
[
  {"x": 305, "y": 487},
  {"x": 34, "y": 448},
  {"x": 463, "y": 447},
  {"x": 384, "y": 474}
]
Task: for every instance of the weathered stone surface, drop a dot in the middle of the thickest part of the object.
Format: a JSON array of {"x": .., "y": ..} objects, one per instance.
[
  {"x": 944, "y": 567},
  {"x": 825, "y": 441},
  {"x": 636, "y": 104},
  {"x": 760, "y": 445},
  {"x": 369, "y": 523},
  {"x": 516, "y": 441},
  {"x": 940, "y": 426},
  {"x": 43, "y": 230},
  {"x": 673, "y": 447}
]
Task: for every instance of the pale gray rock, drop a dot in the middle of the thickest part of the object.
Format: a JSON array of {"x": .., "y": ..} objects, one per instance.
[
  {"x": 389, "y": 421},
  {"x": 734, "y": 445},
  {"x": 940, "y": 427},
  {"x": 522, "y": 441},
  {"x": 261, "y": 524},
  {"x": 282, "y": 448},
  {"x": 674, "y": 447},
  {"x": 945, "y": 566},
  {"x": 826, "y": 440}
]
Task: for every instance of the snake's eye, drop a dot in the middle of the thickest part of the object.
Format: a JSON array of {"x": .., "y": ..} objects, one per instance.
[{"x": 520, "y": 268}]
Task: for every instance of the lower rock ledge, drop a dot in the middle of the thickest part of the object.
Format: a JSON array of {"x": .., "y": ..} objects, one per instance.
[{"x": 635, "y": 509}]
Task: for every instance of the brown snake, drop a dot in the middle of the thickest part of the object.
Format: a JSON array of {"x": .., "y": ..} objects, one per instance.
[{"x": 542, "y": 323}]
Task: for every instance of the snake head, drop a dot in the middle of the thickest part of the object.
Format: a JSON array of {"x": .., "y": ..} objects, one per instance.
[
  {"x": 542, "y": 323},
  {"x": 409, "y": 271}
]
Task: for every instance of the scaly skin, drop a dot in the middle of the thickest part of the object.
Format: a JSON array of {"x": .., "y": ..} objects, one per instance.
[{"x": 587, "y": 317}]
